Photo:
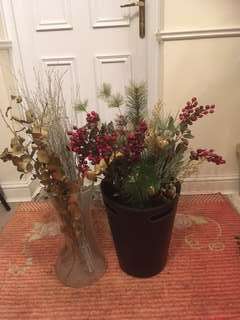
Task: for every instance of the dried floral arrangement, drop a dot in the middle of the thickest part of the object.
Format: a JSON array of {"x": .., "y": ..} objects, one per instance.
[
  {"x": 141, "y": 157},
  {"x": 38, "y": 146}
]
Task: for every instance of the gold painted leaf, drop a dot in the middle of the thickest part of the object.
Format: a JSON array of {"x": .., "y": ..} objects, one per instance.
[
  {"x": 18, "y": 99},
  {"x": 39, "y": 132},
  {"x": 45, "y": 182},
  {"x": 161, "y": 142},
  {"x": 29, "y": 116},
  {"x": 7, "y": 111},
  {"x": 17, "y": 141},
  {"x": 97, "y": 169},
  {"x": 119, "y": 154},
  {"x": 23, "y": 163},
  {"x": 91, "y": 175},
  {"x": 43, "y": 156},
  {"x": 114, "y": 155},
  {"x": 44, "y": 176},
  {"x": 101, "y": 167},
  {"x": 6, "y": 155},
  {"x": 17, "y": 146}
]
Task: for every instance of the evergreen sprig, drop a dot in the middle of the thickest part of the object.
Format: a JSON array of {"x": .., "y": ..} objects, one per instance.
[
  {"x": 81, "y": 106},
  {"x": 136, "y": 103}
]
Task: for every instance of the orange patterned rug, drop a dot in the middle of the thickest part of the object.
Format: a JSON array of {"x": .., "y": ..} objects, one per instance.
[{"x": 201, "y": 280}]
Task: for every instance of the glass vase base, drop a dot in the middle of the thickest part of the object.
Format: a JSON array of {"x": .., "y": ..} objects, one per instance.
[{"x": 74, "y": 271}]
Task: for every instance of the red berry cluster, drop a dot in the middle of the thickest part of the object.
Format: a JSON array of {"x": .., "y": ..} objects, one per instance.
[
  {"x": 79, "y": 144},
  {"x": 135, "y": 142},
  {"x": 192, "y": 111},
  {"x": 92, "y": 144},
  {"x": 104, "y": 147},
  {"x": 92, "y": 119},
  {"x": 209, "y": 155}
]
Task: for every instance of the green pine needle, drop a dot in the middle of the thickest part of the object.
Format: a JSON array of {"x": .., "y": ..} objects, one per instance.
[
  {"x": 105, "y": 91},
  {"x": 115, "y": 101},
  {"x": 136, "y": 102},
  {"x": 81, "y": 106}
]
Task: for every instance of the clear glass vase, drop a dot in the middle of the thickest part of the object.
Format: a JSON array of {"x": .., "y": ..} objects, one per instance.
[{"x": 81, "y": 261}]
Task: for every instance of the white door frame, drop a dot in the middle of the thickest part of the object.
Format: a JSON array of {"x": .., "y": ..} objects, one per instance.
[{"x": 153, "y": 21}]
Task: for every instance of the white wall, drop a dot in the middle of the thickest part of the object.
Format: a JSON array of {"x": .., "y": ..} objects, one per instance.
[{"x": 208, "y": 68}]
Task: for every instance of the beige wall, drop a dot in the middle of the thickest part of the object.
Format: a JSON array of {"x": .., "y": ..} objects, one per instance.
[
  {"x": 208, "y": 69},
  {"x": 191, "y": 14},
  {"x": 2, "y": 26}
]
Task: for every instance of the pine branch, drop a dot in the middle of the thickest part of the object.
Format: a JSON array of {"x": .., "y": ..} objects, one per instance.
[
  {"x": 105, "y": 91},
  {"x": 136, "y": 102},
  {"x": 115, "y": 101},
  {"x": 81, "y": 106}
]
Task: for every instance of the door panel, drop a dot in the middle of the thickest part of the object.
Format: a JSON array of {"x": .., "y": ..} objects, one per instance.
[
  {"x": 106, "y": 68},
  {"x": 56, "y": 17},
  {"x": 107, "y": 13}
]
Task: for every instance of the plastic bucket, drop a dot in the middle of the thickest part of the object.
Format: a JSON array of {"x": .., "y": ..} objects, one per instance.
[{"x": 141, "y": 236}]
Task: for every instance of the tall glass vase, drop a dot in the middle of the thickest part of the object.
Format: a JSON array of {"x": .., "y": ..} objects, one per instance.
[{"x": 81, "y": 261}]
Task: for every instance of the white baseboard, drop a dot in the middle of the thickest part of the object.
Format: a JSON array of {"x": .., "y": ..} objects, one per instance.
[
  {"x": 21, "y": 191},
  {"x": 206, "y": 184}
]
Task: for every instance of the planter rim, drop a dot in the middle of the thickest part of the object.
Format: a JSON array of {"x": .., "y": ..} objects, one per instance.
[{"x": 125, "y": 208}]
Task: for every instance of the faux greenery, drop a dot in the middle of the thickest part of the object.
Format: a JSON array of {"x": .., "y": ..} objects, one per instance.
[{"x": 141, "y": 157}]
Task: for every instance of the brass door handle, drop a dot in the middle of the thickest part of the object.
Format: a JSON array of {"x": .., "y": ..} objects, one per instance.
[
  {"x": 133, "y": 4},
  {"x": 141, "y": 5}
]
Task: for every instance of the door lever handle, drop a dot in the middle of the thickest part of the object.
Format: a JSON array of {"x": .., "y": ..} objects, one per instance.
[
  {"x": 133, "y": 4},
  {"x": 141, "y": 5}
]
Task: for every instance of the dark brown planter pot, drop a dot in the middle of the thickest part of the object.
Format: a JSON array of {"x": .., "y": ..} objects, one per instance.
[{"x": 141, "y": 236}]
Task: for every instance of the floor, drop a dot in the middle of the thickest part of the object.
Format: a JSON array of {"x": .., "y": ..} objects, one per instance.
[
  {"x": 6, "y": 215},
  {"x": 235, "y": 199}
]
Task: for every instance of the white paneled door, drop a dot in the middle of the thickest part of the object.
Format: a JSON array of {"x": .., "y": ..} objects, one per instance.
[{"x": 95, "y": 40}]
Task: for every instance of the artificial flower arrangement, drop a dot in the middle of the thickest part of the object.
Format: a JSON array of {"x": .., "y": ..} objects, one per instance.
[
  {"x": 141, "y": 161},
  {"x": 141, "y": 157}
]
